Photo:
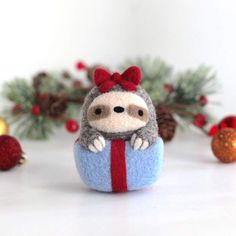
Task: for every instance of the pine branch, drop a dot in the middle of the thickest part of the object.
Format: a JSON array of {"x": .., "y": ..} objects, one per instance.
[{"x": 179, "y": 93}]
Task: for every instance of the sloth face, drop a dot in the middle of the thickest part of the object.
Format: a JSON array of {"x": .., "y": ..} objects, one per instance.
[{"x": 118, "y": 112}]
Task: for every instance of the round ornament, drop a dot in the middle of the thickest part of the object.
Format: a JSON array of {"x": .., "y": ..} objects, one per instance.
[
  {"x": 228, "y": 122},
  {"x": 4, "y": 128},
  {"x": 11, "y": 152},
  {"x": 224, "y": 145}
]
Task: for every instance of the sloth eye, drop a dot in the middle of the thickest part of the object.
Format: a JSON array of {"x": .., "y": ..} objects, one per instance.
[
  {"x": 98, "y": 111},
  {"x": 140, "y": 112}
]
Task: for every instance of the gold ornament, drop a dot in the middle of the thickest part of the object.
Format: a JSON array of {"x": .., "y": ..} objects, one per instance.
[
  {"x": 224, "y": 145},
  {"x": 4, "y": 128}
]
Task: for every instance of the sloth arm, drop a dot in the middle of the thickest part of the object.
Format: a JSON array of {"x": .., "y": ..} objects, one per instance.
[
  {"x": 87, "y": 135},
  {"x": 148, "y": 132}
]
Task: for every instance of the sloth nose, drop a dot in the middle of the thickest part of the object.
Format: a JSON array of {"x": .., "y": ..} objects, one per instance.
[{"x": 118, "y": 109}]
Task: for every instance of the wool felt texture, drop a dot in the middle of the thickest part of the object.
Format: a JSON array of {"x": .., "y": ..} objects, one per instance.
[
  {"x": 88, "y": 133},
  {"x": 118, "y": 166},
  {"x": 128, "y": 80},
  {"x": 142, "y": 167},
  {"x": 108, "y": 120}
]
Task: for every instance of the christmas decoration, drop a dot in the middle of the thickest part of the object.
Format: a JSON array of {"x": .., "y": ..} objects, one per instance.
[
  {"x": 200, "y": 120},
  {"x": 184, "y": 95},
  {"x": 45, "y": 103},
  {"x": 80, "y": 65},
  {"x": 53, "y": 98},
  {"x": 224, "y": 145},
  {"x": 213, "y": 130},
  {"x": 169, "y": 88},
  {"x": 4, "y": 128},
  {"x": 227, "y": 122},
  {"x": 16, "y": 108},
  {"x": 11, "y": 152},
  {"x": 72, "y": 126},
  {"x": 35, "y": 110},
  {"x": 166, "y": 123},
  {"x": 118, "y": 148},
  {"x": 203, "y": 100}
]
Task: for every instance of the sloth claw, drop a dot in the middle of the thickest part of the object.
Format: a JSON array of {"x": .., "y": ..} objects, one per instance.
[
  {"x": 138, "y": 143},
  {"x": 97, "y": 145},
  {"x": 144, "y": 145},
  {"x": 133, "y": 139},
  {"x": 92, "y": 148}
]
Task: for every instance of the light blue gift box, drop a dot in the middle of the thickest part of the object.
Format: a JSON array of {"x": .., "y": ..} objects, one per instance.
[{"x": 143, "y": 167}]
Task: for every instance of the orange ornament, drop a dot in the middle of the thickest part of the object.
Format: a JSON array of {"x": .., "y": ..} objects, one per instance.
[{"x": 224, "y": 145}]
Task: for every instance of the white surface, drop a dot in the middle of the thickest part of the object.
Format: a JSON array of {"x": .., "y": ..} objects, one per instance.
[
  {"x": 196, "y": 195},
  {"x": 52, "y": 34}
]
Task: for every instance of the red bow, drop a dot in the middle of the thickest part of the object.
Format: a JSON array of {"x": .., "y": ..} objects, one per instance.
[{"x": 128, "y": 80}]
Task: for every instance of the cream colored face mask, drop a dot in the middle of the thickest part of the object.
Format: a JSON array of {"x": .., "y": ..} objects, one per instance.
[{"x": 115, "y": 112}]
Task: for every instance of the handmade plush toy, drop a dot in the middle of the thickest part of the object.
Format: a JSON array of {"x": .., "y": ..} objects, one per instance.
[{"x": 118, "y": 148}]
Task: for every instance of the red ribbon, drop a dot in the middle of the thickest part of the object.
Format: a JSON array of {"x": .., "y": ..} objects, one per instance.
[
  {"x": 118, "y": 166},
  {"x": 128, "y": 80}
]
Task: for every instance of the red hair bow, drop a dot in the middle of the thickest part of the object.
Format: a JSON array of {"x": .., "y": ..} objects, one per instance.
[{"x": 128, "y": 80}]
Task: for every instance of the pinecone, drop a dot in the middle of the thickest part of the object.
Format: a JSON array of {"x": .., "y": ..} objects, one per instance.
[
  {"x": 38, "y": 79},
  {"x": 57, "y": 106},
  {"x": 42, "y": 99},
  {"x": 166, "y": 123},
  {"x": 77, "y": 84},
  {"x": 53, "y": 105},
  {"x": 66, "y": 75}
]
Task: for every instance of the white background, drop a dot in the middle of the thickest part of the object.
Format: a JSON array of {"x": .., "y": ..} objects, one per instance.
[
  {"x": 53, "y": 34},
  {"x": 196, "y": 194}
]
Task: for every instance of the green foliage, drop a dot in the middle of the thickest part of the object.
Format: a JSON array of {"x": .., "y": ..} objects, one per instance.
[
  {"x": 20, "y": 92},
  {"x": 58, "y": 91},
  {"x": 155, "y": 73},
  {"x": 191, "y": 84},
  {"x": 188, "y": 86},
  {"x": 67, "y": 94},
  {"x": 51, "y": 84}
]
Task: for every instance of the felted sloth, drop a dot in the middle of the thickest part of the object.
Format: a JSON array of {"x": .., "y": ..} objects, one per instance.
[{"x": 118, "y": 147}]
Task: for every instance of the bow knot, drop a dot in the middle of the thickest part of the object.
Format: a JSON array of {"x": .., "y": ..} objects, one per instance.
[
  {"x": 116, "y": 77},
  {"x": 128, "y": 80}
]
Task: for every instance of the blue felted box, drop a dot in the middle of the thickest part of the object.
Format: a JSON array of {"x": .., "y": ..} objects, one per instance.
[{"x": 142, "y": 167}]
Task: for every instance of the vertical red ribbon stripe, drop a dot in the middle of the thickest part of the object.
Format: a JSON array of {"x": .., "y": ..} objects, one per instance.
[{"x": 118, "y": 166}]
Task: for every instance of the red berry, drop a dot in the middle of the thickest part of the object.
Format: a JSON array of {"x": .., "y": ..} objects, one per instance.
[
  {"x": 35, "y": 110},
  {"x": 17, "y": 108},
  {"x": 80, "y": 65},
  {"x": 213, "y": 130},
  {"x": 169, "y": 88},
  {"x": 10, "y": 152},
  {"x": 203, "y": 100},
  {"x": 200, "y": 120},
  {"x": 72, "y": 126}
]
